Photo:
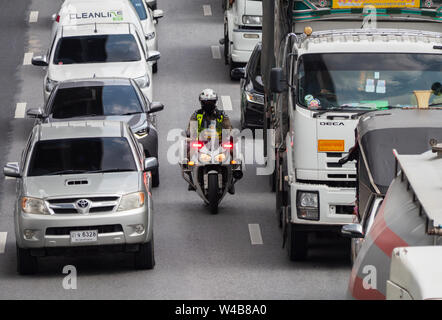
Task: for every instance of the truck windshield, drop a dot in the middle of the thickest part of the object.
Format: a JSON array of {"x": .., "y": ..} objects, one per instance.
[
  {"x": 367, "y": 81},
  {"x": 96, "y": 49},
  {"x": 110, "y": 100},
  {"x": 86, "y": 155}
]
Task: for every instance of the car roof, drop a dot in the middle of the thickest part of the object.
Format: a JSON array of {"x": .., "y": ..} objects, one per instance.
[
  {"x": 81, "y": 129},
  {"x": 77, "y": 83}
]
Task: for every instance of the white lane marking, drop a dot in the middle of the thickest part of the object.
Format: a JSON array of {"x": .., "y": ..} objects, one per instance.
[
  {"x": 255, "y": 234},
  {"x": 33, "y": 16},
  {"x": 207, "y": 10},
  {"x": 27, "y": 60},
  {"x": 3, "y": 236},
  {"x": 216, "y": 52},
  {"x": 9, "y": 178},
  {"x": 20, "y": 110},
  {"x": 227, "y": 103}
]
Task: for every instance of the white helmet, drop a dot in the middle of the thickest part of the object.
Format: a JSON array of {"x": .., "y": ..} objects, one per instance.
[{"x": 208, "y": 99}]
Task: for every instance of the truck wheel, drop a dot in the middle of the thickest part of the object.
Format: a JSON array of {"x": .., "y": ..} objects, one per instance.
[
  {"x": 26, "y": 263},
  {"x": 155, "y": 178},
  {"x": 213, "y": 193},
  {"x": 145, "y": 257},
  {"x": 297, "y": 243}
]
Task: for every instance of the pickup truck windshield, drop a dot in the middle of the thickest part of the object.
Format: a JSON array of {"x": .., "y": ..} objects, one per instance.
[
  {"x": 71, "y": 156},
  {"x": 367, "y": 81},
  {"x": 110, "y": 100},
  {"x": 96, "y": 49}
]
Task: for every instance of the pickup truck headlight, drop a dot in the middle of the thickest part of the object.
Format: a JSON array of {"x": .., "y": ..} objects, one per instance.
[
  {"x": 307, "y": 203},
  {"x": 50, "y": 84},
  {"x": 34, "y": 206},
  {"x": 150, "y": 36},
  {"x": 131, "y": 201},
  {"x": 143, "y": 82},
  {"x": 255, "y": 98},
  {"x": 257, "y": 20}
]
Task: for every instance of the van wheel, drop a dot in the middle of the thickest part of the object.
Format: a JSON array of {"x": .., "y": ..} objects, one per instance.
[
  {"x": 26, "y": 263},
  {"x": 297, "y": 244},
  {"x": 145, "y": 257}
]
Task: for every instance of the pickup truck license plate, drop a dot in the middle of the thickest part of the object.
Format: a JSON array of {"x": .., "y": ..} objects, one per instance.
[{"x": 84, "y": 236}]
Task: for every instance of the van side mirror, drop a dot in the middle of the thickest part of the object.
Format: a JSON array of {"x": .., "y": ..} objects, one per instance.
[
  {"x": 40, "y": 61},
  {"x": 156, "y": 107},
  {"x": 150, "y": 164},
  {"x": 277, "y": 82},
  {"x": 158, "y": 14},
  {"x": 153, "y": 56},
  {"x": 353, "y": 230},
  {"x": 35, "y": 113},
  {"x": 238, "y": 73},
  {"x": 12, "y": 170}
]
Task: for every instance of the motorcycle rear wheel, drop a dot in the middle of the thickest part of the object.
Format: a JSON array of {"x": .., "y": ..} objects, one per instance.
[{"x": 212, "y": 193}]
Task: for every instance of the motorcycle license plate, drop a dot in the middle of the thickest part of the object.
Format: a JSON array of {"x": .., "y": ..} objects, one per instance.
[{"x": 84, "y": 236}]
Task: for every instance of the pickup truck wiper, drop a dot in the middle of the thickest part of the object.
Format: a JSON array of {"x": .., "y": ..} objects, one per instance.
[
  {"x": 131, "y": 113},
  {"x": 110, "y": 170},
  {"x": 69, "y": 171}
]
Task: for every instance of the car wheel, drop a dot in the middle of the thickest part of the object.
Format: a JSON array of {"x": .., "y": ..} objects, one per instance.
[
  {"x": 297, "y": 243},
  {"x": 26, "y": 263},
  {"x": 156, "y": 178},
  {"x": 155, "y": 67},
  {"x": 145, "y": 257}
]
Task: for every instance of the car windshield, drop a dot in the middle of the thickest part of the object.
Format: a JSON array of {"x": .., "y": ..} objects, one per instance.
[
  {"x": 139, "y": 7},
  {"x": 367, "y": 81},
  {"x": 110, "y": 100},
  {"x": 84, "y": 155},
  {"x": 97, "y": 49}
]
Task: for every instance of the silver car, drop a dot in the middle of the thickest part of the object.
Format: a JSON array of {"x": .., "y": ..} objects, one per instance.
[{"x": 83, "y": 184}]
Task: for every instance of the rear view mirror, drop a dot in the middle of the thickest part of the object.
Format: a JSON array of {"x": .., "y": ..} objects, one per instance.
[
  {"x": 353, "y": 230},
  {"x": 277, "y": 82},
  {"x": 153, "y": 56},
  {"x": 155, "y": 107},
  {"x": 35, "y": 113},
  {"x": 158, "y": 14},
  {"x": 12, "y": 170},
  {"x": 40, "y": 61},
  {"x": 150, "y": 164},
  {"x": 238, "y": 73}
]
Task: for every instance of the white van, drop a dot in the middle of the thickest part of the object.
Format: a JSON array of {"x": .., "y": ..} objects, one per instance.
[{"x": 98, "y": 50}]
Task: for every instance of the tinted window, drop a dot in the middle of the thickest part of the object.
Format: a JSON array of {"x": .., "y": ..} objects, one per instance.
[
  {"x": 95, "y": 101},
  {"x": 95, "y": 49},
  {"x": 81, "y": 156},
  {"x": 139, "y": 7}
]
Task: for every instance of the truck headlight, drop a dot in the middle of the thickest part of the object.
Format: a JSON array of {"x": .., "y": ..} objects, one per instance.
[
  {"x": 50, "y": 84},
  {"x": 255, "y": 98},
  {"x": 150, "y": 36},
  {"x": 131, "y": 201},
  {"x": 143, "y": 82},
  {"x": 205, "y": 157},
  {"x": 34, "y": 206},
  {"x": 307, "y": 204},
  {"x": 252, "y": 20}
]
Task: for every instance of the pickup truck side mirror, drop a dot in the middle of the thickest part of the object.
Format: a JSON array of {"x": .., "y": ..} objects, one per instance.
[
  {"x": 150, "y": 164},
  {"x": 12, "y": 170},
  {"x": 35, "y": 113},
  {"x": 153, "y": 56},
  {"x": 40, "y": 61},
  {"x": 277, "y": 82},
  {"x": 353, "y": 230},
  {"x": 238, "y": 73},
  {"x": 155, "y": 107}
]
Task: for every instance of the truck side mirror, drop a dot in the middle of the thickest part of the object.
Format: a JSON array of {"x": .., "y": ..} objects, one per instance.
[
  {"x": 12, "y": 170},
  {"x": 353, "y": 230},
  {"x": 277, "y": 82}
]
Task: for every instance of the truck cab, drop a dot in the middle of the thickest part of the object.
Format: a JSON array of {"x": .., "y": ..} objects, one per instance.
[{"x": 242, "y": 30}]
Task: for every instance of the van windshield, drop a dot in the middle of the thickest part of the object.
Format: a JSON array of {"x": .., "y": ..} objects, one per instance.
[
  {"x": 97, "y": 49},
  {"x": 367, "y": 81},
  {"x": 86, "y": 155}
]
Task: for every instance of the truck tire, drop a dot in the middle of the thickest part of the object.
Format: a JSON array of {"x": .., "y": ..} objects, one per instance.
[
  {"x": 297, "y": 244},
  {"x": 156, "y": 178},
  {"x": 145, "y": 258},
  {"x": 213, "y": 193},
  {"x": 26, "y": 263}
]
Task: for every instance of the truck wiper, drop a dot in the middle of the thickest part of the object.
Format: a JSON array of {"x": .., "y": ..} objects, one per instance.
[
  {"x": 345, "y": 108},
  {"x": 110, "y": 170}
]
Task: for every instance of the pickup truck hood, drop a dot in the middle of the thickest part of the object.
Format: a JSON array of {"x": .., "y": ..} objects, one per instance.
[
  {"x": 132, "y": 70},
  {"x": 253, "y": 8},
  {"x": 118, "y": 183}
]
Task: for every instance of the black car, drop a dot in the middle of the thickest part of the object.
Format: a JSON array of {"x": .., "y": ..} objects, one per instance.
[
  {"x": 252, "y": 91},
  {"x": 105, "y": 99}
]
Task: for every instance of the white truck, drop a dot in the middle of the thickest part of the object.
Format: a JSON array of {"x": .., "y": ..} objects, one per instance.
[
  {"x": 242, "y": 30},
  {"x": 323, "y": 82}
]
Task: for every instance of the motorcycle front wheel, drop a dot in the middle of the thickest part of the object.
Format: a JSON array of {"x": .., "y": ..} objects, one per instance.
[{"x": 212, "y": 193}]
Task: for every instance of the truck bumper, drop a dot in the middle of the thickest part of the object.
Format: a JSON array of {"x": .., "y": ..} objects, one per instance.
[
  {"x": 244, "y": 41},
  {"x": 335, "y": 205}
]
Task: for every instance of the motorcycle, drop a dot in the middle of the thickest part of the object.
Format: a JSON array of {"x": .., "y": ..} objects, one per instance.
[{"x": 212, "y": 168}]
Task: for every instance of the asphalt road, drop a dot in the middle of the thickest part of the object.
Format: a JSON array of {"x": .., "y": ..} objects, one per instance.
[{"x": 199, "y": 256}]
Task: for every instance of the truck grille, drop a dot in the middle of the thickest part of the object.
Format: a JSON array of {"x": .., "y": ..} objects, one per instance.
[
  {"x": 64, "y": 231},
  {"x": 94, "y": 205}
]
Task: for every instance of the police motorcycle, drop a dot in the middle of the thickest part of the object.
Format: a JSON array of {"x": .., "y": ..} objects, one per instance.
[{"x": 213, "y": 165}]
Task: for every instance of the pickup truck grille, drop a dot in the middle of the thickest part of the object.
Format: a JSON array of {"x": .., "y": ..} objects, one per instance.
[{"x": 90, "y": 205}]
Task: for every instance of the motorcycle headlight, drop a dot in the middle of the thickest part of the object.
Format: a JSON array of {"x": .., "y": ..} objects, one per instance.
[
  {"x": 220, "y": 157},
  {"x": 150, "y": 36},
  {"x": 205, "y": 157},
  {"x": 143, "y": 82},
  {"x": 131, "y": 201},
  {"x": 34, "y": 206},
  {"x": 255, "y": 98},
  {"x": 50, "y": 84},
  {"x": 252, "y": 20}
]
